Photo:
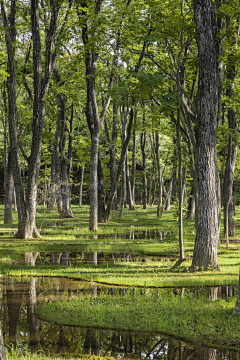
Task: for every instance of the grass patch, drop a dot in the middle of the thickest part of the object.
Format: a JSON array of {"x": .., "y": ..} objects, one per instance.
[{"x": 189, "y": 316}]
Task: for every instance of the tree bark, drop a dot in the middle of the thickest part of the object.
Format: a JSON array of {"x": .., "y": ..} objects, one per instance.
[
  {"x": 81, "y": 186},
  {"x": 128, "y": 185},
  {"x": 228, "y": 206},
  {"x": 134, "y": 158},
  {"x": 144, "y": 178},
  {"x": 65, "y": 159},
  {"x": 9, "y": 187},
  {"x": 27, "y": 204},
  {"x": 208, "y": 209},
  {"x": 160, "y": 185}
]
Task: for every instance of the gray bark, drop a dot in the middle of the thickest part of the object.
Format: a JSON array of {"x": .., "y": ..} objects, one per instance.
[
  {"x": 160, "y": 185},
  {"x": 2, "y": 347},
  {"x": 9, "y": 187},
  {"x": 228, "y": 201},
  {"x": 81, "y": 186},
  {"x": 65, "y": 159},
  {"x": 208, "y": 209},
  {"x": 27, "y": 205},
  {"x": 128, "y": 185},
  {"x": 134, "y": 159},
  {"x": 144, "y": 178}
]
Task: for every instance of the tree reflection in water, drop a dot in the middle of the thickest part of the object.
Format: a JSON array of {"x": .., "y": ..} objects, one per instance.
[{"x": 22, "y": 328}]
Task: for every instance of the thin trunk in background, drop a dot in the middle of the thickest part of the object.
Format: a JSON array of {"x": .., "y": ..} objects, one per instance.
[
  {"x": 159, "y": 173},
  {"x": 65, "y": 158},
  {"x": 9, "y": 187},
  {"x": 228, "y": 199},
  {"x": 128, "y": 185},
  {"x": 144, "y": 178},
  {"x": 180, "y": 190},
  {"x": 134, "y": 158},
  {"x": 81, "y": 186}
]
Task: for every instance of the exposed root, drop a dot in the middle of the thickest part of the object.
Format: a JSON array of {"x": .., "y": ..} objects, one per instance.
[{"x": 179, "y": 262}]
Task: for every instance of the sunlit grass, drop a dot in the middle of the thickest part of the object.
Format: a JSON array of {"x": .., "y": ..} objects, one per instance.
[{"x": 190, "y": 316}]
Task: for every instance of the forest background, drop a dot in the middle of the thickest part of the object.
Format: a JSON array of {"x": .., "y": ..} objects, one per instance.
[{"x": 117, "y": 103}]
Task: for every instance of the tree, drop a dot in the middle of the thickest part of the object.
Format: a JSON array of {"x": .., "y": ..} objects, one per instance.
[
  {"x": 208, "y": 207},
  {"x": 26, "y": 203}
]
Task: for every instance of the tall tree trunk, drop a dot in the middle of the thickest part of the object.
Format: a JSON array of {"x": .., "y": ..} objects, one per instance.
[
  {"x": 208, "y": 209},
  {"x": 191, "y": 204},
  {"x": 55, "y": 184},
  {"x": 160, "y": 185},
  {"x": 144, "y": 178},
  {"x": 113, "y": 154},
  {"x": 168, "y": 197},
  {"x": 9, "y": 187},
  {"x": 180, "y": 190},
  {"x": 66, "y": 159},
  {"x": 174, "y": 185},
  {"x": 128, "y": 185},
  {"x": 81, "y": 186},
  {"x": 27, "y": 205},
  {"x": 134, "y": 158},
  {"x": 2, "y": 347},
  {"x": 232, "y": 142}
]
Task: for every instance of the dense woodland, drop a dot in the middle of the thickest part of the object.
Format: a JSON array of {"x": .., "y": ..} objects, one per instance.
[{"x": 113, "y": 103}]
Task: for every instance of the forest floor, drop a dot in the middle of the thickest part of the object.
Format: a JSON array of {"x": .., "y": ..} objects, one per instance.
[{"x": 137, "y": 251}]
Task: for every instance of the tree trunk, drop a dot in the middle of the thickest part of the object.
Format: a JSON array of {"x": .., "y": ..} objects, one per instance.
[
  {"x": 27, "y": 204},
  {"x": 2, "y": 347},
  {"x": 113, "y": 155},
  {"x": 232, "y": 142},
  {"x": 65, "y": 159},
  {"x": 122, "y": 193},
  {"x": 81, "y": 186},
  {"x": 174, "y": 185},
  {"x": 180, "y": 191},
  {"x": 160, "y": 185},
  {"x": 236, "y": 310},
  {"x": 128, "y": 185},
  {"x": 55, "y": 185},
  {"x": 168, "y": 197},
  {"x": 9, "y": 187},
  {"x": 134, "y": 159},
  {"x": 208, "y": 209},
  {"x": 144, "y": 178},
  {"x": 191, "y": 204}
]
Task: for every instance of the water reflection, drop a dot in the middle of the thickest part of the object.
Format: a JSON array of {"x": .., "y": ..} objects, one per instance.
[
  {"x": 67, "y": 258},
  {"x": 21, "y": 327},
  {"x": 132, "y": 234}
]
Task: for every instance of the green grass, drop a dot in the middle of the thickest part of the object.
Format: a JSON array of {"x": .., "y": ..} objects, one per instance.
[
  {"x": 191, "y": 317},
  {"x": 73, "y": 235},
  {"x": 14, "y": 355}
]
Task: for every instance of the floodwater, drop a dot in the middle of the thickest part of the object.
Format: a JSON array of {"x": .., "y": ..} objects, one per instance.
[
  {"x": 131, "y": 234},
  {"x": 20, "y": 297},
  {"x": 75, "y": 258}
]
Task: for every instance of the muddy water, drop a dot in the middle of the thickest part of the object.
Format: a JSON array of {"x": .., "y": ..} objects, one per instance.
[{"x": 20, "y": 298}]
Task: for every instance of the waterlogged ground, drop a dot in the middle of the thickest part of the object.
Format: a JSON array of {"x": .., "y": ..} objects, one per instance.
[
  {"x": 21, "y": 297},
  {"x": 136, "y": 252}
]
